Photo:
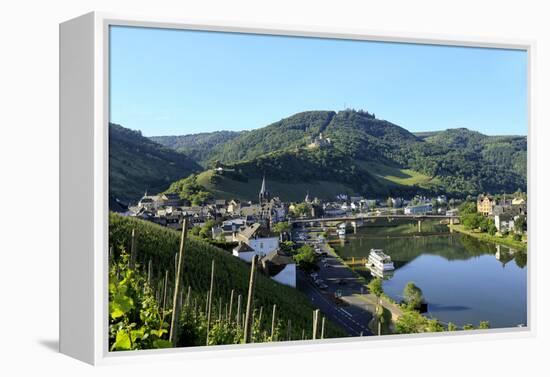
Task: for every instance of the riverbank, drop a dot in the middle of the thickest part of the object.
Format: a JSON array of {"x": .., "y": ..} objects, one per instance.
[
  {"x": 506, "y": 241},
  {"x": 386, "y": 301}
]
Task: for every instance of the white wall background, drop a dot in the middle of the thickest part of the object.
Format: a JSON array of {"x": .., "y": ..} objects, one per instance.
[{"x": 29, "y": 183}]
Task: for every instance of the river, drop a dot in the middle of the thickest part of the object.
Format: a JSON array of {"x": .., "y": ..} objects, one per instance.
[{"x": 463, "y": 279}]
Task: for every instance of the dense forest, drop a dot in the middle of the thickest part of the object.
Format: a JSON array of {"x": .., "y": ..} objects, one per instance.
[
  {"x": 199, "y": 147},
  {"x": 137, "y": 164}
]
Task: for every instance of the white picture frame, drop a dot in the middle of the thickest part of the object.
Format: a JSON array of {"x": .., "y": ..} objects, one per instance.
[{"x": 84, "y": 118}]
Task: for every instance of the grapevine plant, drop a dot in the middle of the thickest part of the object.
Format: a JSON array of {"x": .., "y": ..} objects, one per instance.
[{"x": 135, "y": 321}]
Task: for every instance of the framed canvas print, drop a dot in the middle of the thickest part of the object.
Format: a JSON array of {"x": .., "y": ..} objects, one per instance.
[{"x": 227, "y": 187}]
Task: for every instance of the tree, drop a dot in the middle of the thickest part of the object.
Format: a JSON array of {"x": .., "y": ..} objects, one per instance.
[
  {"x": 468, "y": 326},
  {"x": 412, "y": 322},
  {"x": 451, "y": 326},
  {"x": 520, "y": 224},
  {"x": 483, "y": 325},
  {"x": 305, "y": 259},
  {"x": 375, "y": 287},
  {"x": 471, "y": 221},
  {"x": 302, "y": 209},
  {"x": 195, "y": 230},
  {"x": 412, "y": 296},
  {"x": 281, "y": 227},
  {"x": 206, "y": 229},
  {"x": 467, "y": 207},
  {"x": 287, "y": 247},
  {"x": 492, "y": 229},
  {"x": 486, "y": 224}
]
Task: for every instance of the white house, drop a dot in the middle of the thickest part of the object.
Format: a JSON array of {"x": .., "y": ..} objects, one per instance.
[
  {"x": 255, "y": 245},
  {"x": 280, "y": 267},
  {"x": 504, "y": 222},
  {"x": 244, "y": 252},
  {"x": 264, "y": 246}
]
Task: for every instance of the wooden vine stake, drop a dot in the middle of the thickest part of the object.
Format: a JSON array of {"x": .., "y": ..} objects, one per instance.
[
  {"x": 273, "y": 316},
  {"x": 211, "y": 294},
  {"x": 231, "y": 305},
  {"x": 175, "y": 310},
  {"x": 239, "y": 304},
  {"x": 249, "y": 301},
  {"x": 149, "y": 272},
  {"x": 315, "y": 323},
  {"x": 165, "y": 294},
  {"x": 260, "y": 317},
  {"x": 323, "y": 328},
  {"x": 133, "y": 250},
  {"x": 188, "y": 297}
]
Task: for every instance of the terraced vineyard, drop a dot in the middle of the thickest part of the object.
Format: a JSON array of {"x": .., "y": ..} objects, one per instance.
[{"x": 155, "y": 249}]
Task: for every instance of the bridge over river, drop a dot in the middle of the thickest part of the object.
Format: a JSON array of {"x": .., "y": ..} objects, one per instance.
[{"x": 358, "y": 220}]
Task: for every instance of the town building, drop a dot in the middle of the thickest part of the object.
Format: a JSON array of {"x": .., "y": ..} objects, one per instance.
[
  {"x": 260, "y": 246},
  {"x": 279, "y": 267},
  {"x": 485, "y": 205},
  {"x": 518, "y": 201},
  {"x": 504, "y": 222}
]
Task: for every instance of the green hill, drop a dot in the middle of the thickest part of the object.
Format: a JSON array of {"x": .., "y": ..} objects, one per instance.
[
  {"x": 324, "y": 173},
  {"x": 365, "y": 155},
  {"x": 200, "y": 146},
  {"x": 137, "y": 164},
  {"x": 159, "y": 245},
  {"x": 509, "y": 151}
]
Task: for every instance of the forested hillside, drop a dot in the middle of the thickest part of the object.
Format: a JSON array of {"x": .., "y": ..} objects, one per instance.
[
  {"x": 359, "y": 153},
  {"x": 137, "y": 164},
  {"x": 371, "y": 156},
  {"x": 200, "y": 147}
]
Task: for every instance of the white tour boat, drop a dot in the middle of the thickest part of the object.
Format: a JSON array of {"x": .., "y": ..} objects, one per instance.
[{"x": 379, "y": 260}]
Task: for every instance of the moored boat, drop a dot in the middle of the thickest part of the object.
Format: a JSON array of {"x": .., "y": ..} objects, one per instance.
[{"x": 379, "y": 260}]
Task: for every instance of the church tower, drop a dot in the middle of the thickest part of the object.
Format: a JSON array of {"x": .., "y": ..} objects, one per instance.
[{"x": 264, "y": 196}]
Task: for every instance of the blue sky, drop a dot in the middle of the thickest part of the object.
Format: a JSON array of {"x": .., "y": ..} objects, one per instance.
[{"x": 174, "y": 82}]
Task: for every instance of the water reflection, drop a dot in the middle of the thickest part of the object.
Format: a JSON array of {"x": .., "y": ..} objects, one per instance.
[{"x": 463, "y": 279}]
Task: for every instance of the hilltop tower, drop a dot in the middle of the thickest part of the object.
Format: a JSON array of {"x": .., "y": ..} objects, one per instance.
[{"x": 264, "y": 195}]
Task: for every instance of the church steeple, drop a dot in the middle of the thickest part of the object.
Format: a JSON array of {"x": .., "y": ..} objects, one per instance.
[{"x": 264, "y": 193}]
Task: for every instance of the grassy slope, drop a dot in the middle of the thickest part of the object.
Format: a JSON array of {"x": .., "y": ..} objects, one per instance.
[
  {"x": 506, "y": 241},
  {"x": 387, "y": 177},
  {"x": 231, "y": 189},
  {"x": 160, "y": 244},
  {"x": 405, "y": 177}
]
